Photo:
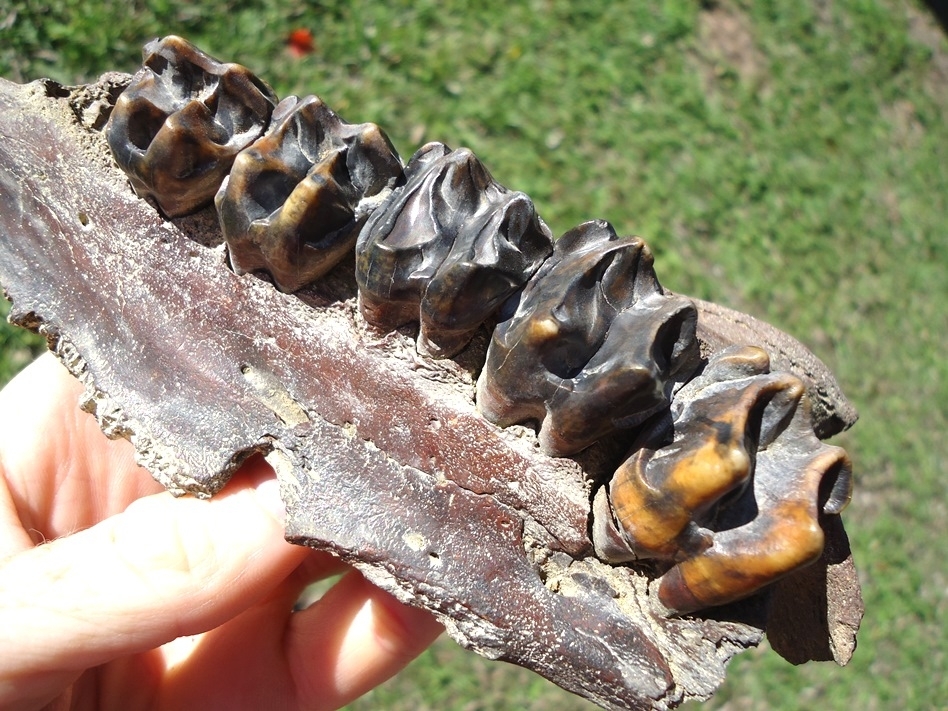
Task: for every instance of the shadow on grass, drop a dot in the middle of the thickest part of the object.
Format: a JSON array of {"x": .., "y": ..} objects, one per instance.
[{"x": 939, "y": 10}]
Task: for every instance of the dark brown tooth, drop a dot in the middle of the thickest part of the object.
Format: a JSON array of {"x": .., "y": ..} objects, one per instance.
[
  {"x": 447, "y": 250},
  {"x": 295, "y": 199},
  {"x": 735, "y": 497},
  {"x": 592, "y": 345},
  {"x": 177, "y": 128}
]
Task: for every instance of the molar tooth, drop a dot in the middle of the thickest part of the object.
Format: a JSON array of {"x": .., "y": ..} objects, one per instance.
[
  {"x": 734, "y": 498},
  {"x": 447, "y": 250},
  {"x": 291, "y": 205},
  {"x": 591, "y": 346},
  {"x": 177, "y": 128}
]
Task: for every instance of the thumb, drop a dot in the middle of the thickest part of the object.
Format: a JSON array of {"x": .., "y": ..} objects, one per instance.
[{"x": 162, "y": 569}]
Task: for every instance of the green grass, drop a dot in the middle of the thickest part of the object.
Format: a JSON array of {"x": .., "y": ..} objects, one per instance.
[
  {"x": 788, "y": 159},
  {"x": 17, "y": 347}
]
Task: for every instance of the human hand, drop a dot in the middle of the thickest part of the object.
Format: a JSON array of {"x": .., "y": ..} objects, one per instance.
[{"x": 114, "y": 594}]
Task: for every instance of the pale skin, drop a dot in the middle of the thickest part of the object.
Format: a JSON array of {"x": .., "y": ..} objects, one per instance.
[{"x": 116, "y": 595}]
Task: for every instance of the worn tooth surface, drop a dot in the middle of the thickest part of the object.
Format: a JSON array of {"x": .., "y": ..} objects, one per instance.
[
  {"x": 591, "y": 346},
  {"x": 447, "y": 250},
  {"x": 177, "y": 128},
  {"x": 295, "y": 199},
  {"x": 735, "y": 497}
]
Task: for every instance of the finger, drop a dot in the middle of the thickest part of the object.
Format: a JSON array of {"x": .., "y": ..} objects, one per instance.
[
  {"x": 162, "y": 569},
  {"x": 354, "y": 638},
  {"x": 61, "y": 474},
  {"x": 242, "y": 663}
]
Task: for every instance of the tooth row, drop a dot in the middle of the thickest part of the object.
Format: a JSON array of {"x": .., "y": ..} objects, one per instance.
[{"x": 727, "y": 480}]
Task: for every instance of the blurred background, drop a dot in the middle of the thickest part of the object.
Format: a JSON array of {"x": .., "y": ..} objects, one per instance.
[{"x": 785, "y": 159}]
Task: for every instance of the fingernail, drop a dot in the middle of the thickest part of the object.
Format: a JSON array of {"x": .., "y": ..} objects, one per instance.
[{"x": 268, "y": 493}]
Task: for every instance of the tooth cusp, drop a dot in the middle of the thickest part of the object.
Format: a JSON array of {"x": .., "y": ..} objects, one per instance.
[
  {"x": 447, "y": 250},
  {"x": 733, "y": 496}
]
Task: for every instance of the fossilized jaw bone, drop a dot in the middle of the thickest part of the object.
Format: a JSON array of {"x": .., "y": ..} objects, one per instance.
[
  {"x": 177, "y": 128},
  {"x": 381, "y": 454},
  {"x": 295, "y": 199},
  {"x": 735, "y": 496},
  {"x": 447, "y": 250},
  {"x": 591, "y": 346},
  {"x": 724, "y": 485}
]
